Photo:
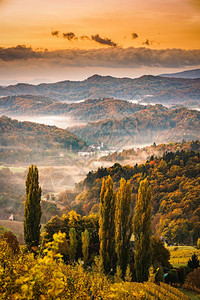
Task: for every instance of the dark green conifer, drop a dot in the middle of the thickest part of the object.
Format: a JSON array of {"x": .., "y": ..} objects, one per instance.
[
  {"x": 32, "y": 209},
  {"x": 142, "y": 231}
]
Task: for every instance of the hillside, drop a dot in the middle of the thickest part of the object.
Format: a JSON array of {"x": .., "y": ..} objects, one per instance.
[
  {"x": 153, "y": 124},
  {"x": 154, "y": 89},
  {"x": 89, "y": 110},
  {"x": 27, "y": 141},
  {"x": 192, "y": 74},
  {"x": 175, "y": 182},
  {"x": 136, "y": 154}
]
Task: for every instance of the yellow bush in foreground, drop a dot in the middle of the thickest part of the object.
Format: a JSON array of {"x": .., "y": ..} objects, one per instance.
[{"x": 47, "y": 277}]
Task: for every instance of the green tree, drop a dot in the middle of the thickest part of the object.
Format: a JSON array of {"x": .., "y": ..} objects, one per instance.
[
  {"x": 160, "y": 254},
  {"x": 85, "y": 245},
  {"x": 107, "y": 224},
  {"x": 123, "y": 224},
  {"x": 193, "y": 262},
  {"x": 73, "y": 243},
  {"x": 142, "y": 231},
  {"x": 32, "y": 209}
]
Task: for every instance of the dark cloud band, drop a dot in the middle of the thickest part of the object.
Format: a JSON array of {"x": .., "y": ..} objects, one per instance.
[{"x": 113, "y": 57}]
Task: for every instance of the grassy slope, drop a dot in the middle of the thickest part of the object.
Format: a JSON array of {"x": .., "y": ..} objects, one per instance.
[{"x": 181, "y": 256}]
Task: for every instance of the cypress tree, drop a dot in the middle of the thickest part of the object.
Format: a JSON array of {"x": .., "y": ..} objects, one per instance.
[
  {"x": 123, "y": 224},
  {"x": 142, "y": 231},
  {"x": 32, "y": 209},
  {"x": 85, "y": 245},
  {"x": 107, "y": 224},
  {"x": 73, "y": 243}
]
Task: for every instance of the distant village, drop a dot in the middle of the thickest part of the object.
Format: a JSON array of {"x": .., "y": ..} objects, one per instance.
[{"x": 96, "y": 150}]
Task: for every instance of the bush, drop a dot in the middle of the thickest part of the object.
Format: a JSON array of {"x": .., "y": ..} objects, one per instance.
[
  {"x": 11, "y": 240},
  {"x": 172, "y": 276},
  {"x": 192, "y": 281},
  {"x": 198, "y": 243}
]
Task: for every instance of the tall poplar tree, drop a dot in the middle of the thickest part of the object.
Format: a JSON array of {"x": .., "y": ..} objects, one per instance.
[
  {"x": 123, "y": 224},
  {"x": 142, "y": 231},
  {"x": 73, "y": 243},
  {"x": 107, "y": 224},
  {"x": 32, "y": 209}
]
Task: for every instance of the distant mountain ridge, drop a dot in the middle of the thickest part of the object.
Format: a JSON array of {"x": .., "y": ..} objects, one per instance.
[
  {"x": 148, "y": 88},
  {"x": 89, "y": 110},
  {"x": 189, "y": 74}
]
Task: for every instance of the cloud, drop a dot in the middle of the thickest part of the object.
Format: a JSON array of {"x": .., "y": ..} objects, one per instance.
[
  {"x": 112, "y": 57},
  {"x": 55, "y": 33},
  {"x": 146, "y": 42},
  {"x": 70, "y": 36},
  {"x": 19, "y": 52},
  {"x": 134, "y": 35},
  {"x": 84, "y": 37},
  {"x": 104, "y": 41}
]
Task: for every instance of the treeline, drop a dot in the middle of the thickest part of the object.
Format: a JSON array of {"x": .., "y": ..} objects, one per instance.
[
  {"x": 174, "y": 179},
  {"x": 153, "y": 123},
  {"x": 145, "y": 152}
]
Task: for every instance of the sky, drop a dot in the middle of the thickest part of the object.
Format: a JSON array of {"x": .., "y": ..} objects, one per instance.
[{"x": 53, "y": 40}]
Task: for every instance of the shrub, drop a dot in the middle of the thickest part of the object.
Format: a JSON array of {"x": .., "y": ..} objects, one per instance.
[
  {"x": 173, "y": 276},
  {"x": 192, "y": 281},
  {"x": 11, "y": 240}
]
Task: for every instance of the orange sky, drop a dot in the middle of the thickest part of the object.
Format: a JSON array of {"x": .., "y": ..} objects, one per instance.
[{"x": 158, "y": 24}]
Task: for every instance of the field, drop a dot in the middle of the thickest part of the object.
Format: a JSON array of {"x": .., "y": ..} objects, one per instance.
[
  {"x": 14, "y": 226},
  {"x": 181, "y": 254}
]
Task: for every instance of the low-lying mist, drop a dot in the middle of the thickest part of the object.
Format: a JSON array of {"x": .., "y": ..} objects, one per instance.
[{"x": 51, "y": 120}]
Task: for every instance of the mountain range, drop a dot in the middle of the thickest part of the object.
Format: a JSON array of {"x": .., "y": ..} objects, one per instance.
[
  {"x": 192, "y": 74},
  {"x": 148, "y": 88}
]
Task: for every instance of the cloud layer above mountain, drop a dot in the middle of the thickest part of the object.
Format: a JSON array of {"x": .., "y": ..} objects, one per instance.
[{"x": 107, "y": 57}]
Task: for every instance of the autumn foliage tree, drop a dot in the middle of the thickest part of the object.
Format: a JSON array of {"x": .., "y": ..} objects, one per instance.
[
  {"x": 123, "y": 224},
  {"x": 142, "y": 231},
  {"x": 107, "y": 224},
  {"x": 32, "y": 209}
]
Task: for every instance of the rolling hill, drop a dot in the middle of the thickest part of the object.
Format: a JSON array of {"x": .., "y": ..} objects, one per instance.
[
  {"x": 27, "y": 141},
  {"x": 147, "y": 88},
  {"x": 89, "y": 110},
  {"x": 153, "y": 124}
]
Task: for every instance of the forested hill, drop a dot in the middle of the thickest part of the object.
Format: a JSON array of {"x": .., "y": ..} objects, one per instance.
[
  {"x": 89, "y": 110},
  {"x": 175, "y": 182},
  {"x": 137, "y": 154},
  {"x": 153, "y": 124},
  {"x": 155, "y": 89},
  {"x": 26, "y": 140}
]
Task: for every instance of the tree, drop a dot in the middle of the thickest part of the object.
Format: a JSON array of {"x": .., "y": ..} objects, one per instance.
[
  {"x": 32, "y": 210},
  {"x": 85, "y": 245},
  {"x": 193, "y": 262},
  {"x": 107, "y": 224},
  {"x": 123, "y": 224},
  {"x": 160, "y": 254},
  {"x": 72, "y": 244},
  {"x": 142, "y": 231}
]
